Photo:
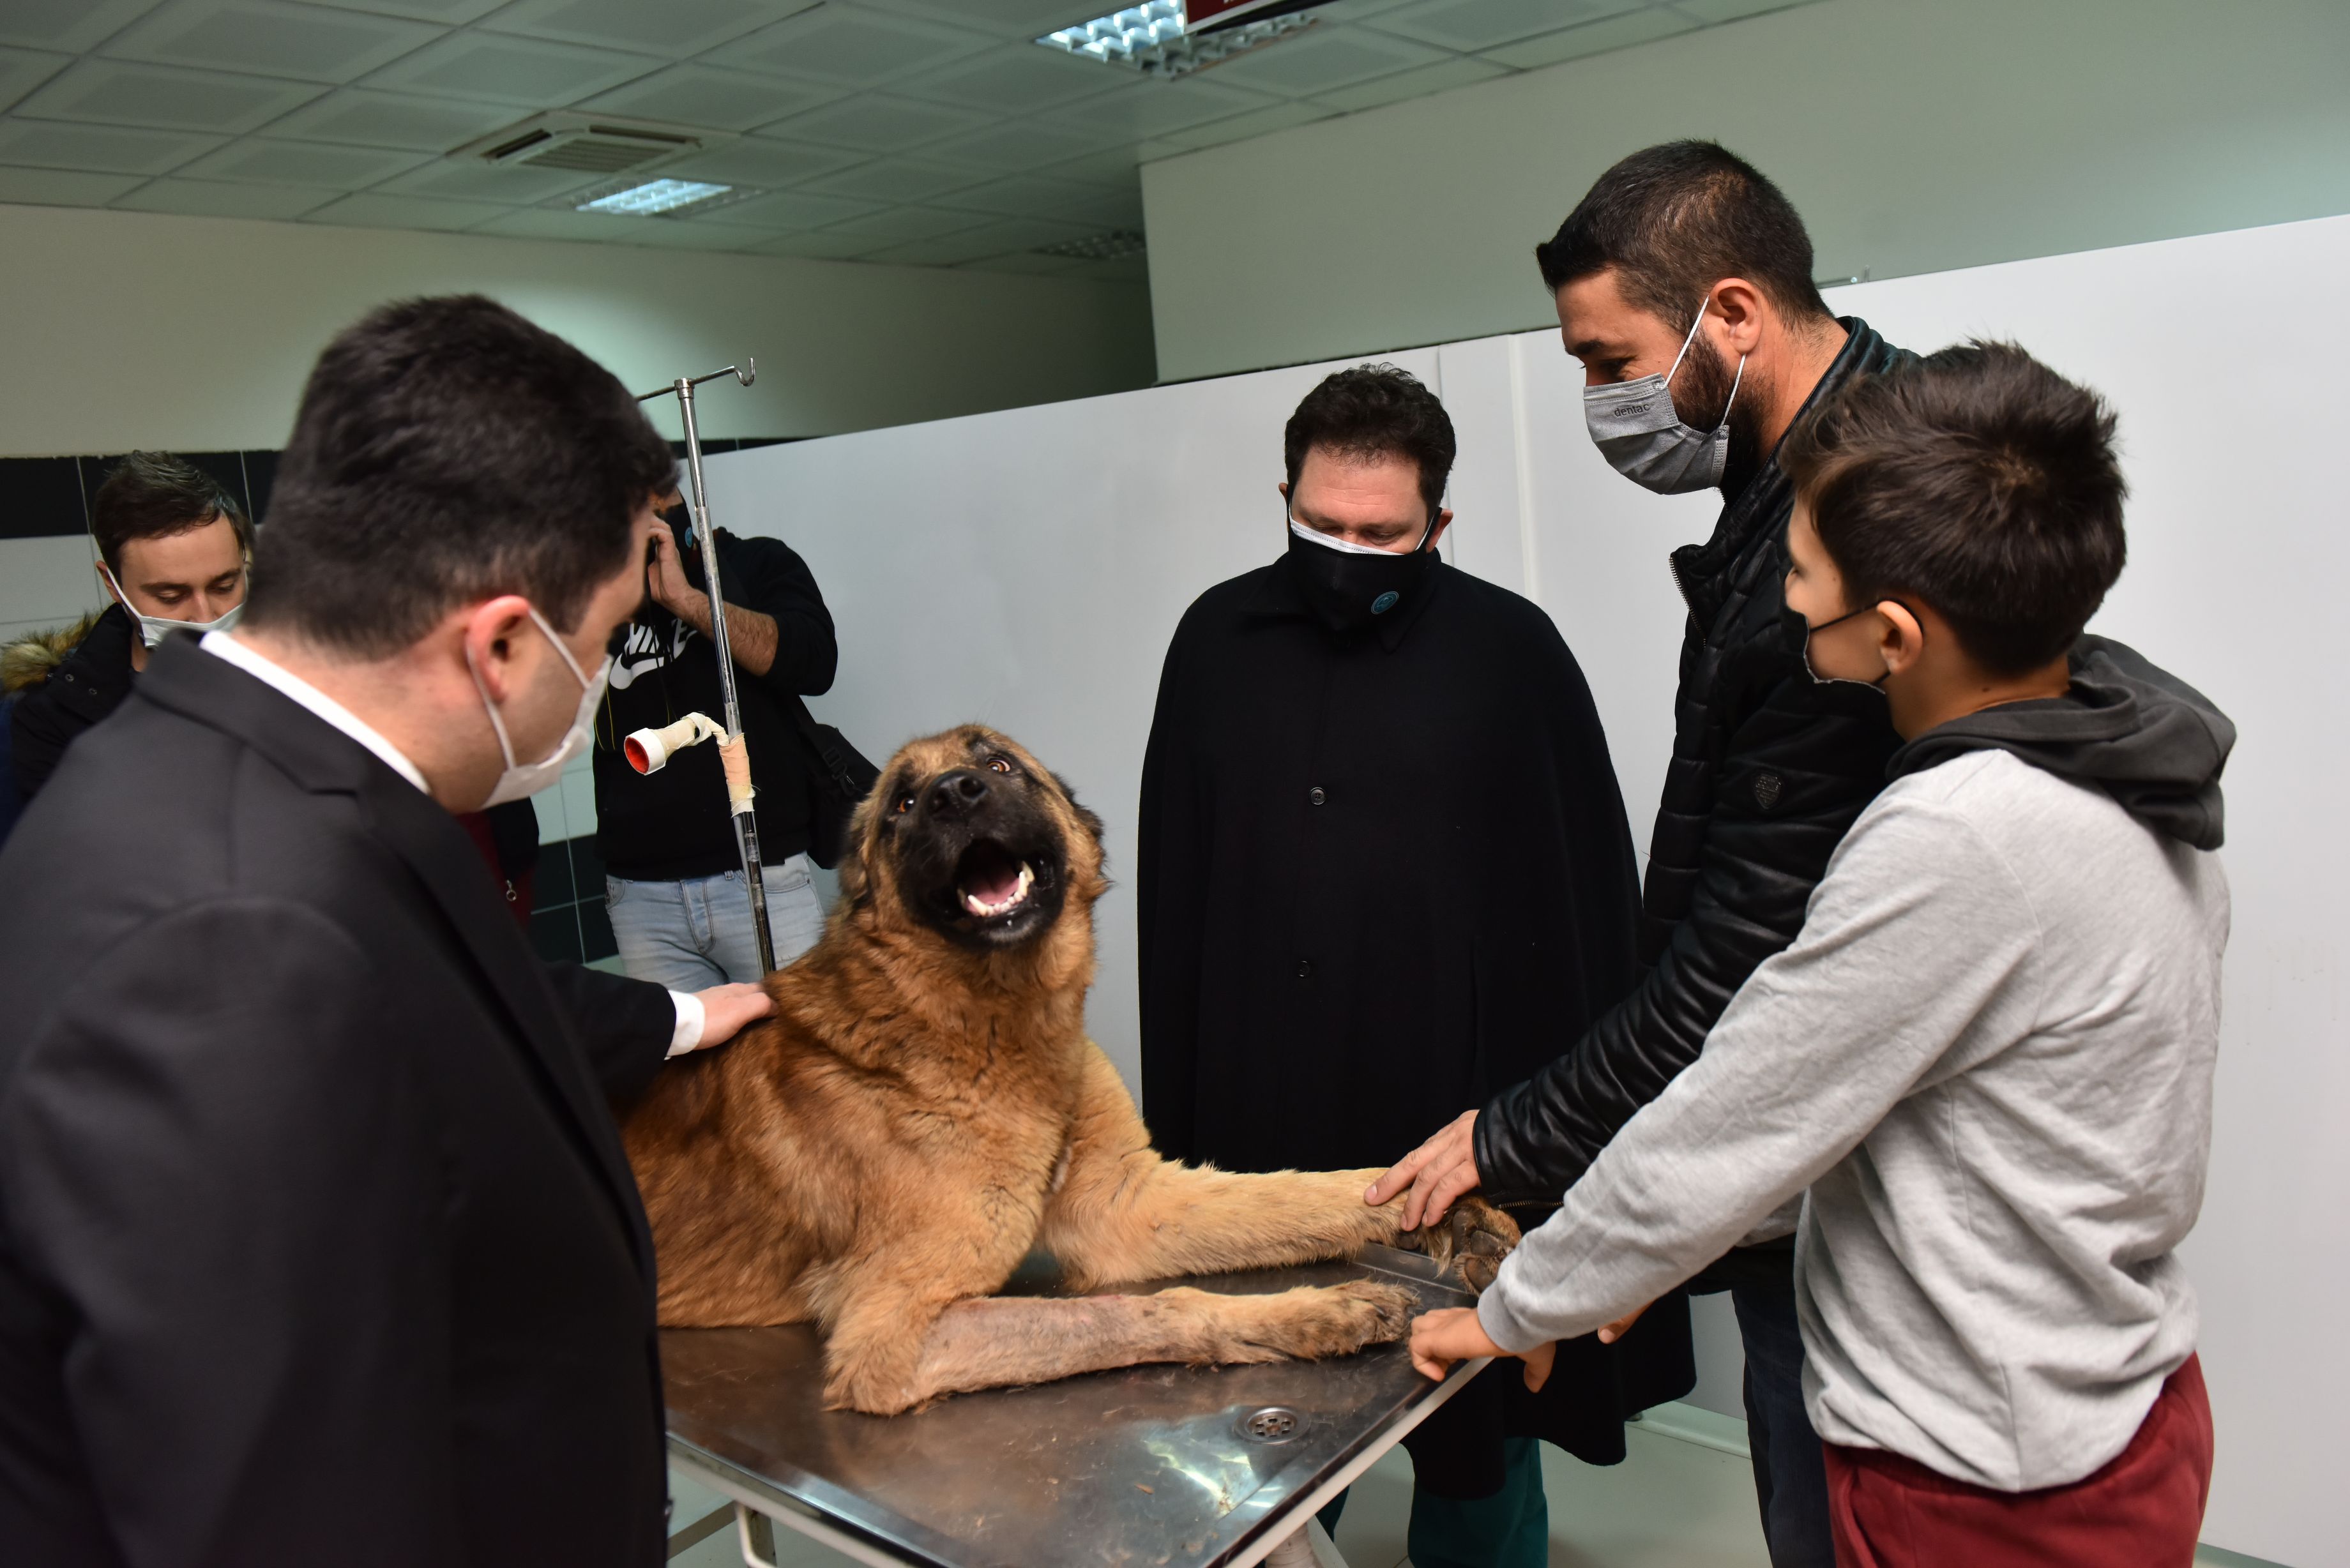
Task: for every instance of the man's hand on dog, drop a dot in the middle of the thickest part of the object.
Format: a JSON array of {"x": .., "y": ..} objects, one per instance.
[
  {"x": 1448, "y": 1334},
  {"x": 727, "y": 1009},
  {"x": 1438, "y": 1172}
]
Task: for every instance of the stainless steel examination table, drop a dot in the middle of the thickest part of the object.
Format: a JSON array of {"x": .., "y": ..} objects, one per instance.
[{"x": 1189, "y": 1467}]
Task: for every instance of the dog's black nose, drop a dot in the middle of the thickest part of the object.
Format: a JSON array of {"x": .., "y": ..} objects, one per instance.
[{"x": 957, "y": 792}]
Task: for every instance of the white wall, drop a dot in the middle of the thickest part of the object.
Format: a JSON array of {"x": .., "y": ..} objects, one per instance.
[
  {"x": 1913, "y": 137},
  {"x": 143, "y": 329},
  {"x": 1026, "y": 568}
]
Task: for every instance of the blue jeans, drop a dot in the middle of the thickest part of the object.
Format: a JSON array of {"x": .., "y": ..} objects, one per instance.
[
  {"x": 1510, "y": 1529},
  {"x": 1791, "y": 1480},
  {"x": 697, "y": 934}
]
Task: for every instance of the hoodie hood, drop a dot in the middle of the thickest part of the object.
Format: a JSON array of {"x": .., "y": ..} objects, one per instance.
[{"x": 2140, "y": 733}]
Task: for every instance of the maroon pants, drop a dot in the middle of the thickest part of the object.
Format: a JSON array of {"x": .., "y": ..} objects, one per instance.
[{"x": 2142, "y": 1510}]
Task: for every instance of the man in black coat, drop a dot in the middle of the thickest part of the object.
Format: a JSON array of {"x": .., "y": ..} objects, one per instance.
[
  {"x": 1383, "y": 859},
  {"x": 316, "y": 1242},
  {"x": 1683, "y": 282}
]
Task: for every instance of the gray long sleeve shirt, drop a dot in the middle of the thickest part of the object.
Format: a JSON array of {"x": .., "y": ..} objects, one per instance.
[{"x": 1987, "y": 1055}]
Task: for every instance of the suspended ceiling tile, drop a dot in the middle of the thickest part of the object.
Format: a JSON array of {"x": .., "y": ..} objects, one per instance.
[
  {"x": 701, "y": 95},
  {"x": 674, "y": 27},
  {"x": 1018, "y": 79},
  {"x": 1428, "y": 80},
  {"x": 1008, "y": 20},
  {"x": 823, "y": 245},
  {"x": 522, "y": 71},
  {"x": 908, "y": 224},
  {"x": 104, "y": 149},
  {"x": 555, "y": 224},
  {"x": 116, "y": 92},
  {"x": 1323, "y": 58},
  {"x": 1257, "y": 123},
  {"x": 63, "y": 188},
  {"x": 1025, "y": 196},
  {"x": 219, "y": 199},
  {"x": 368, "y": 211},
  {"x": 364, "y": 118},
  {"x": 791, "y": 209},
  {"x": 1113, "y": 165},
  {"x": 762, "y": 160},
  {"x": 1100, "y": 209},
  {"x": 1033, "y": 263},
  {"x": 1468, "y": 25},
  {"x": 892, "y": 180},
  {"x": 301, "y": 163},
  {"x": 851, "y": 48},
  {"x": 72, "y": 25},
  {"x": 451, "y": 13},
  {"x": 1591, "y": 38},
  {"x": 685, "y": 235},
  {"x": 1125, "y": 269},
  {"x": 270, "y": 39},
  {"x": 22, "y": 70},
  {"x": 1022, "y": 144},
  {"x": 470, "y": 180},
  {"x": 874, "y": 123},
  {"x": 1731, "y": 10},
  {"x": 1148, "y": 107}
]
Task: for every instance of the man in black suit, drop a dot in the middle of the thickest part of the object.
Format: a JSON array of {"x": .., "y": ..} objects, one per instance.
[{"x": 317, "y": 1242}]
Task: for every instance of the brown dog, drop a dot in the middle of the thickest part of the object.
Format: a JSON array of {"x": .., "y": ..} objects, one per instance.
[{"x": 924, "y": 1106}]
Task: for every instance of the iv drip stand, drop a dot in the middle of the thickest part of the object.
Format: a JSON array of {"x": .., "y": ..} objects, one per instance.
[{"x": 746, "y": 823}]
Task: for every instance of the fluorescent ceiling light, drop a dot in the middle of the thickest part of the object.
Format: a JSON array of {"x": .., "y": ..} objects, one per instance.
[
  {"x": 646, "y": 198},
  {"x": 1154, "y": 37}
]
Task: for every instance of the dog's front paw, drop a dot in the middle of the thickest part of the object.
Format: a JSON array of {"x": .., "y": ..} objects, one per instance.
[{"x": 1470, "y": 1240}]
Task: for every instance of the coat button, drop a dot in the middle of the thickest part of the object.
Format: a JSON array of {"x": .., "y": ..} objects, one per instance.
[
  {"x": 1316, "y": 796},
  {"x": 1305, "y": 969}
]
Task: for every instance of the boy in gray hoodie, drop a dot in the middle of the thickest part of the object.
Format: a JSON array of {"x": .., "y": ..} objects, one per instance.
[{"x": 1984, "y": 1065}]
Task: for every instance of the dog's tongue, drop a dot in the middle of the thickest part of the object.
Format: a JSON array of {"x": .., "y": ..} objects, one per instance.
[{"x": 993, "y": 880}]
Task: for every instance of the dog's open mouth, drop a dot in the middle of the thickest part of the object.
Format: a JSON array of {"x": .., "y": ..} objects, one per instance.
[{"x": 991, "y": 882}]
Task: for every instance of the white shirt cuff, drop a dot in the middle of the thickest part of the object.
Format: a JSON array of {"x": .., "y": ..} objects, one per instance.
[{"x": 691, "y": 1017}]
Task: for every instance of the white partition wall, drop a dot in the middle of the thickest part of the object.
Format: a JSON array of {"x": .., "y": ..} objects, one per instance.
[{"x": 1026, "y": 568}]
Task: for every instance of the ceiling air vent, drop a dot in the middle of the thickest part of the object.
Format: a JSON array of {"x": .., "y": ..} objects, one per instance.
[{"x": 586, "y": 145}]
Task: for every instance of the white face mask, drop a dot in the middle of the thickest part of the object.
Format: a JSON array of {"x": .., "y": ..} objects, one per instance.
[
  {"x": 1637, "y": 429},
  {"x": 155, "y": 629},
  {"x": 522, "y": 780}
]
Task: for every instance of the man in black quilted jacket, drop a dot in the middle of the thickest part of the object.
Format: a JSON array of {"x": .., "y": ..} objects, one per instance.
[{"x": 1683, "y": 282}]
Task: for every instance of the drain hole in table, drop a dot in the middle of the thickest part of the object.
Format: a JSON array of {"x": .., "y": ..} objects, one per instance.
[{"x": 1274, "y": 1424}]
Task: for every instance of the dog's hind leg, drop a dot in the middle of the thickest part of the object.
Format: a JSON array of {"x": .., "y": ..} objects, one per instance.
[
  {"x": 1123, "y": 1214},
  {"x": 998, "y": 1342}
]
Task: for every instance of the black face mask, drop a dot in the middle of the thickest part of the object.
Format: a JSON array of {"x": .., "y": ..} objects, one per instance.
[{"x": 1347, "y": 592}]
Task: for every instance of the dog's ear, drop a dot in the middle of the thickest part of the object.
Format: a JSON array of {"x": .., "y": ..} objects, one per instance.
[
  {"x": 855, "y": 875},
  {"x": 1092, "y": 820}
]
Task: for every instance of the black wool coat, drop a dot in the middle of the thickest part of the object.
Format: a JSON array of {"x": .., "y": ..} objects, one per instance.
[{"x": 1381, "y": 874}]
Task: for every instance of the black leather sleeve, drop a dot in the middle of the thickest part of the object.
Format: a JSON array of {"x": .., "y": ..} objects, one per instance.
[
  {"x": 1795, "y": 776},
  {"x": 624, "y": 1025}
]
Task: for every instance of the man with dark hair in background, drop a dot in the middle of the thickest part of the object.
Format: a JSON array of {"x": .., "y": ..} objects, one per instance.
[
  {"x": 316, "y": 1242},
  {"x": 1683, "y": 283},
  {"x": 1382, "y": 861},
  {"x": 172, "y": 544}
]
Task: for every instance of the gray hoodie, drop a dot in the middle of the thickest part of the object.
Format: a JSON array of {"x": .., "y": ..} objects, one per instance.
[{"x": 1988, "y": 1056}]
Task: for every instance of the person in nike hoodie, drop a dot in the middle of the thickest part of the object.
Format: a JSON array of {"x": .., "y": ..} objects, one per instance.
[{"x": 1984, "y": 1065}]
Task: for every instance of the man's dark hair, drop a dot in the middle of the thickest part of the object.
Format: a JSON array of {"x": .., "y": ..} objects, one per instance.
[
  {"x": 1674, "y": 220},
  {"x": 153, "y": 494},
  {"x": 1374, "y": 411},
  {"x": 1978, "y": 480},
  {"x": 446, "y": 452}
]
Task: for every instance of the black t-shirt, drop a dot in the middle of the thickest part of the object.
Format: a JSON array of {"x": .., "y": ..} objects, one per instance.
[{"x": 673, "y": 825}]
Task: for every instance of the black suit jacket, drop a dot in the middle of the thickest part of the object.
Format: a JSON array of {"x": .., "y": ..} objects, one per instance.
[{"x": 316, "y": 1242}]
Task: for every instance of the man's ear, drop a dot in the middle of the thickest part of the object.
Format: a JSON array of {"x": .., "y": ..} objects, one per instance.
[
  {"x": 488, "y": 636},
  {"x": 1741, "y": 309},
  {"x": 1443, "y": 521},
  {"x": 1903, "y": 642},
  {"x": 1284, "y": 487}
]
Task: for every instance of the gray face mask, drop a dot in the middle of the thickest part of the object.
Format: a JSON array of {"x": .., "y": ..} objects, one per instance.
[{"x": 1637, "y": 429}]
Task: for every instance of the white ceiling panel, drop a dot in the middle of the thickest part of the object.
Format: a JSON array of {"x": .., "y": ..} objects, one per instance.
[
  {"x": 909, "y": 223},
  {"x": 826, "y": 244},
  {"x": 1019, "y": 80},
  {"x": 761, "y": 161},
  {"x": 1322, "y": 58},
  {"x": 1155, "y": 108},
  {"x": 1591, "y": 38},
  {"x": 1468, "y": 25},
  {"x": 520, "y": 71},
  {"x": 452, "y": 12},
  {"x": 64, "y": 187},
  {"x": 874, "y": 123},
  {"x": 1005, "y": 19},
  {"x": 1023, "y": 195},
  {"x": 302, "y": 164},
  {"x": 72, "y": 25},
  {"x": 1033, "y": 263},
  {"x": 790, "y": 210},
  {"x": 117, "y": 92},
  {"x": 686, "y": 234},
  {"x": 851, "y": 48},
  {"x": 267, "y": 37},
  {"x": 557, "y": 223},
  {"x": 368, "y": 211},
  {"x": 677, "y": 29},
  {"x": 1734, "y": 10},
  {"x": 218, "y": 199},
  {"x": 470, "y": 180},
  {"x": 723, "y": 101},
  {"x": 892, "y": 180},
  {"x": 1459, "y": 70},
  {"x": 1098, "y": 209},
  {"x": 1256, "y": 122},
  {"x": 366, "y": 118},
  {"x": 22, "y": 70},
  {"x": 1020, "y": 145},
  {"x": 104, "y": 149}
]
